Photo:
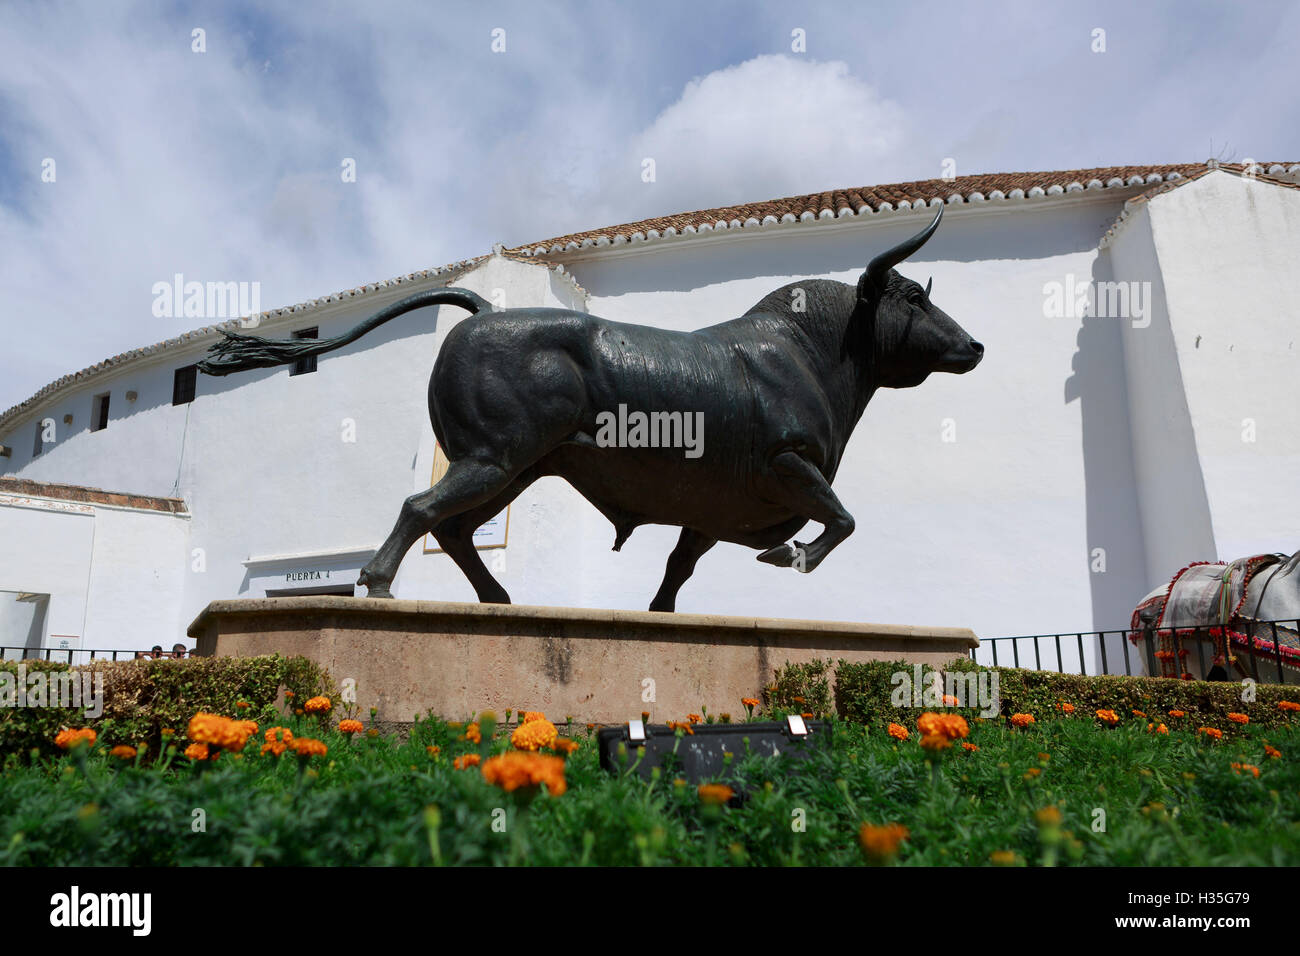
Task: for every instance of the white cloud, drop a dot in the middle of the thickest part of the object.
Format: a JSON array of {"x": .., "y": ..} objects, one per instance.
[{"x": 769, "y": 127}]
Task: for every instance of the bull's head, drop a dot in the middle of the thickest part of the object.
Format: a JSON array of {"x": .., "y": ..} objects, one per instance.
[{"x": 910, "y": 336}]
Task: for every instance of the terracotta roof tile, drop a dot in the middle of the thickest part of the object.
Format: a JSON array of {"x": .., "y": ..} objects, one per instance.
[
  {"x": 831, "y": 204},
  {"x": 865, "y": 200}
]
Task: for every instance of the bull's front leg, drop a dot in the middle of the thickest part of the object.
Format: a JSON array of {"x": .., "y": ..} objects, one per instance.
[{"x": 806, "y": 492}]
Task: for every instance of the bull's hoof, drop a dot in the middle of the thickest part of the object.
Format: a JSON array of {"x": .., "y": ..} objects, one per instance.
[
  {"x": 784, "y": 556},
  {"x": 373, "y": 590}
]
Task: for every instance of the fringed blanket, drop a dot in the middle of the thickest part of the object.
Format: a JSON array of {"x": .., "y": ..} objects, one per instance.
[{"x": 1208, "y": 599}]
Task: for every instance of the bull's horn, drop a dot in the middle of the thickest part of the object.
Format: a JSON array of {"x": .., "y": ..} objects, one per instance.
[{"x": 878, "y": 269}]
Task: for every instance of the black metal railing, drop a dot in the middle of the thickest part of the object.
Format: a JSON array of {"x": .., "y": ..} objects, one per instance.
[
  {"x": 65, "y": 655},
  {"x": 1111, "y": 652}
]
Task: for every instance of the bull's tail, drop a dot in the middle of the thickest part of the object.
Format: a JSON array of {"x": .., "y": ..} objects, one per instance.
[{"x": 238, "y": 352}]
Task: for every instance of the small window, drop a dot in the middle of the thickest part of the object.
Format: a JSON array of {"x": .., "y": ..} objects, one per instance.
[
  {"x": 183, "y": 383},
  {"x": 40, "y": 442},
  {"x": 99, "y": 413},
  {"x": 308, "y": 364}
]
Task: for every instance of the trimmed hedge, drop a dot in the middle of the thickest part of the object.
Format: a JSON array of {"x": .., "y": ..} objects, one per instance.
[
  {"x": 801, "y": 688},
  {"x": 863, "y": 691},
  {"x": 142, "y": 697}
]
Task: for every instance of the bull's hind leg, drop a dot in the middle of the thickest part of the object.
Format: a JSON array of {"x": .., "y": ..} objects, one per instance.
[
  {"x": 681, "y": 565},
  {"x": 467, "y": 483},
  {"x": 456, "y": 537},
  {"x": 804, "y": 490}
]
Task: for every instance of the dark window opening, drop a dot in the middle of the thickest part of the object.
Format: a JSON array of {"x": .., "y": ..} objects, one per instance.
[
  {"x": 183, "y": 383},
  {"x": 99, "y": 413},
  {"x": 40, "y": 441},
  {"x": 305, "y": 365}
]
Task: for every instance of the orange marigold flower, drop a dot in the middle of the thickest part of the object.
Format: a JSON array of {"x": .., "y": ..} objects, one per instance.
[
  {"x": 278, "y": 740},
  {"x": 1003, "y": 858},
  {"x": 749, "y": 701},
  {"x": 433, "y": 750},
  {"x": 1067, "y": 708},
  {"x": 68, "y": 738},
  {"x": 949, "y": 700},
  {"x": 807, "y": 715},
  {"x": 1108, "y": 717},
  {"x": 532, "y": 715},
  {"x": 1032, "y": 772},
  {"x": 1251, "y": 768},
  {"x": 198, "y": 752},
  {"x": 307, "y": 747},
  {"x": 123, "y": 752},
  {"x": 1212, "y": 732},
  {"x": 797, "y": 700},
  {"x": 534, "y": 734},
  {"x": 1048, "y": 817},
  {"x": 694, "y": 718},
  {"x": 1158, "y": 728},
  {"x": 899, "y": 732},
  {"x": 948, "y": 726},
  {"x": 681, "y": 725},
  {"x": 217, "y": 731},
  {"x": 715, "y": 794},
  {"x": 351, "y": 726},
  {"x": 465, "y": 761},
  {"x": 1239, "y": 718},
  {"x": 473, "y": 734},
  {"x": 1138, "y": 713},
  {"x": 1288, "y": 705},
  {"x": 242, "y": 704},
  {"x": 515, "y": 770},
  {"x": 1178, "y": 713},
  {"x": 318, "y": 705},
  {"x": 1022, "y": 720},
  {"x": 1272, "y": 752},
  {"x": 880, "y": 843},
  {"x": 564, "y": 745},
  {"x": 969, "y": 746}
]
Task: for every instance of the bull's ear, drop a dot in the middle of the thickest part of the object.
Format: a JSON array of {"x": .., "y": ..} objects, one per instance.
[{"x": 878, "y": 269}]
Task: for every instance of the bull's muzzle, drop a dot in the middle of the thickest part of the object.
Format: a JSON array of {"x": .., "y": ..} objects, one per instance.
[{"x": 963, "y": 359}]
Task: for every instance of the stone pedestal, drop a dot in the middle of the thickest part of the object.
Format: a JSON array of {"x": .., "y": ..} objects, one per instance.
[{"x": 409, "y": 657}]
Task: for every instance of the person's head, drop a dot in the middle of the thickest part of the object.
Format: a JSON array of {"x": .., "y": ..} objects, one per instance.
[
  {"x": 156, "y": 651},
  {"x": 178, "y": 650}
]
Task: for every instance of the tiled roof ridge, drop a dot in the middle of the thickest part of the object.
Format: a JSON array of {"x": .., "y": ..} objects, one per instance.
[
  {"x": 831, "y": 204},
  {"x": 868, "y": 200}
]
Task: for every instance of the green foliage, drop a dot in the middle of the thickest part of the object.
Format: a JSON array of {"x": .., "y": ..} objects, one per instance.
[
  {"x": 863, "y": 690},
  {"x": 1125, "y": 796},
  {"x": 801, "y": 688},
  {"x": 142, "y": 697}
]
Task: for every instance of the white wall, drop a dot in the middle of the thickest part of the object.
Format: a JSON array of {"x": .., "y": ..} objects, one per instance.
[{"x": 1228, "y": 251}]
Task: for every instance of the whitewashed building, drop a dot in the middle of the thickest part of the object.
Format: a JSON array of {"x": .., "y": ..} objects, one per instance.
[{"x": 1096, "y": 450}]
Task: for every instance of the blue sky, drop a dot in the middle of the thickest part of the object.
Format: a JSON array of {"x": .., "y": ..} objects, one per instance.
[{"x": 225, "y": 165}]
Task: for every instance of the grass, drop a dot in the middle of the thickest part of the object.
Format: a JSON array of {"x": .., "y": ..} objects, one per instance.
[{"x": 1125, "y": 797}]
